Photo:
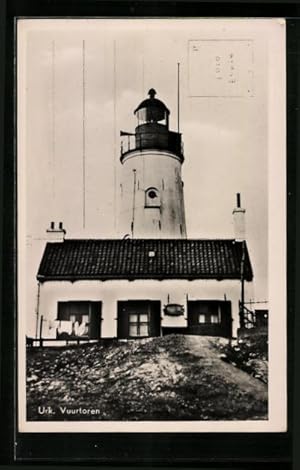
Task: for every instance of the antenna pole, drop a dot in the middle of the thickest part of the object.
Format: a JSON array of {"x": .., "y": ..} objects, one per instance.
[{"x": 178, "y": 96}]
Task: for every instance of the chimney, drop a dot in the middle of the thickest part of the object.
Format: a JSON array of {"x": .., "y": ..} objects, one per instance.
[
  {"x": 239, "y": 220},
  {"x": 56, "y": 232}
]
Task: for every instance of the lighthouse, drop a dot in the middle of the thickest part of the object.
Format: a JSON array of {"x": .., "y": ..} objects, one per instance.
[
  {"x": 151, "y": 187},
  {"x": 152, "y": 252}
]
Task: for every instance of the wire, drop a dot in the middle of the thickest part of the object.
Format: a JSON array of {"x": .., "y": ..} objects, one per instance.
[
  {"x": 115, "y": 143},
  {"x": 83, "y": 137},
  {"x": 53, "y": 100},
  {"x": 178, "y": 96}
]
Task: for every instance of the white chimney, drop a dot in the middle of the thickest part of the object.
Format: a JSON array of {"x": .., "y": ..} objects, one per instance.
[
  {"x": 56, "y": 232},
  {"x": 239, "y": 224}
]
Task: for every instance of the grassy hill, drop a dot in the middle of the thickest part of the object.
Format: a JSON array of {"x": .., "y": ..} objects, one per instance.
[{"x": 174, "y": 377}]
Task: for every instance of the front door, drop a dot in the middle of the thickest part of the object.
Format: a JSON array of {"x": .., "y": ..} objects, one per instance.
[{"x": 138, "y": 318}]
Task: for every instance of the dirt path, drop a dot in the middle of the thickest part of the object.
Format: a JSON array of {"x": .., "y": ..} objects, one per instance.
[{"x": 205, "y": 349}]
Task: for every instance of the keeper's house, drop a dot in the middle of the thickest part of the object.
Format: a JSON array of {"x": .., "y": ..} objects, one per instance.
[
  {"x": 153, "y": 280},
  {"x": 137, "y": 288}
]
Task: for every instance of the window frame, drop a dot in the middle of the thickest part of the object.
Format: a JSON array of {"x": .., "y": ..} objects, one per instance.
[
  {"x": 65, "y": 310},
  {"x": 152, "y": 203},
  {"x": 138, "y": 324},
  {"x": 208, "y": 316}
]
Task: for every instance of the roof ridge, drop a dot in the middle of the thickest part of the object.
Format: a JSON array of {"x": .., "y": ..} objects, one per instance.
[{"x": 182, "y": 240}]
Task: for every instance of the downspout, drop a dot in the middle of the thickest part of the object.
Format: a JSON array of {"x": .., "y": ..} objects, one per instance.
[
  {"x": 37, "y": 310},
  {"x": 133, "y": 203},
  {"x": 242, "y": 302}
]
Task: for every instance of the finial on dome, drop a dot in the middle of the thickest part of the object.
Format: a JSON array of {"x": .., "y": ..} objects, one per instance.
[{"x": 152, "y": 93}]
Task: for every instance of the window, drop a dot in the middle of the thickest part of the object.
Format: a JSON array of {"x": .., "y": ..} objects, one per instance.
[
  {"x": 79, "y": 319},
  {"x": 201, "y": 318},
  {"x": 138, "y": 324},
  {"x": 152, "y": 194},
  {"x": 152, "y": 197},
  {"x": 214, "y": 318},
  {"x": 206, "y": 316},
  {"x": 209, "y": 317}
]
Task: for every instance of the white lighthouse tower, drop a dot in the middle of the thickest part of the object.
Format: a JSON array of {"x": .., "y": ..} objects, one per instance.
[{"x": 152, "y": 203}]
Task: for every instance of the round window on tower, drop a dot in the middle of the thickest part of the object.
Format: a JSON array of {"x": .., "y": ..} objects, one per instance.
[
  {"x": 152, "y": 194},
  {"x": 152, "y": 197}
]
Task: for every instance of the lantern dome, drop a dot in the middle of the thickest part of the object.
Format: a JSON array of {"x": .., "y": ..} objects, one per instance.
[
  {"x": 152, "y": 130},
  {"x": 152, "y": 109}
]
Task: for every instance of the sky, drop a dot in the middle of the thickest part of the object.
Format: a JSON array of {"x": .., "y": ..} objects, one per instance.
[{"x": 112, "y": 64}]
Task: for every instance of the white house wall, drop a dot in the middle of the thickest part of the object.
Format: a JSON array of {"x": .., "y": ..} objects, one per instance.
[{"x": 112, "y": 291}]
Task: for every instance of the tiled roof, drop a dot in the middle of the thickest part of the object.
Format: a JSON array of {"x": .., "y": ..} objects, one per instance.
[{"x": 144, "y": 259}]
